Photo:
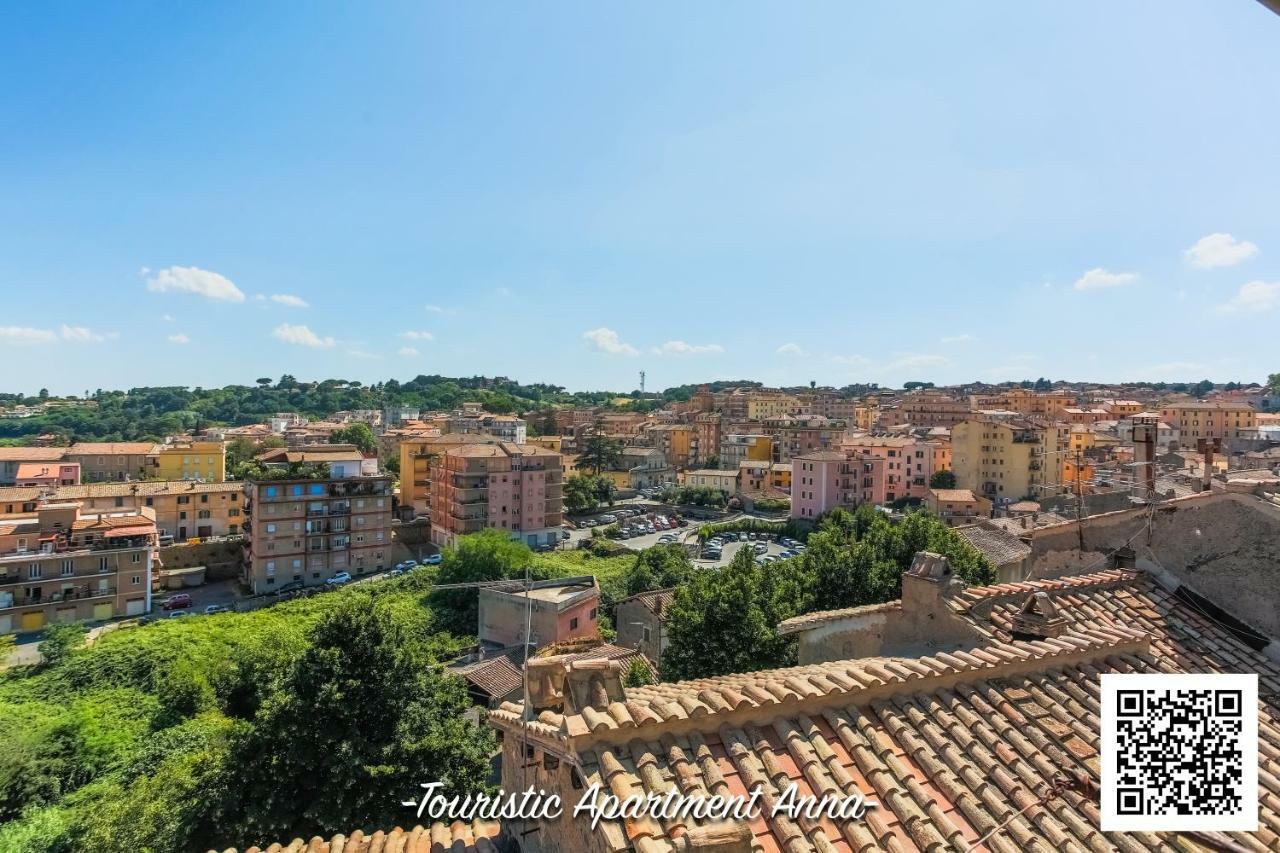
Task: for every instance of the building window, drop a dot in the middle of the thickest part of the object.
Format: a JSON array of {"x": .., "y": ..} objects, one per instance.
[
  {"x": 136, "y": 580},
  {"x": 33, "y": 572},
  {"x": 573, "y": 624},
  {"x": 136, "y": 558},
  {"x": 103, "y": 566}
]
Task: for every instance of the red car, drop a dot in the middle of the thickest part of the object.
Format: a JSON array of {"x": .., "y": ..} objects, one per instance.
[{"x": 181, "y": 601}]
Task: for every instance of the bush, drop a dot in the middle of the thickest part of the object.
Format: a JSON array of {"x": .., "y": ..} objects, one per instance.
[{"x": 795, "y": 528}]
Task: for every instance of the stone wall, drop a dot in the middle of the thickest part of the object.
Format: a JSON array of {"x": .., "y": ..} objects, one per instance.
[{"x": 221, "y": 559}]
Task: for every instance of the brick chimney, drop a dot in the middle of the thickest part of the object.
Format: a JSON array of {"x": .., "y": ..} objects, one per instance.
[
  {"x": 1037, "y": 619},
  {"x": 928, "y": 582},
  {"x": 546, "y": 683},
  {"x": 594, "y": 684}
]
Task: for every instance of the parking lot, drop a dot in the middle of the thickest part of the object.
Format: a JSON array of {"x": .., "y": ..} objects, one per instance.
[{"x": 732, "y": 548}]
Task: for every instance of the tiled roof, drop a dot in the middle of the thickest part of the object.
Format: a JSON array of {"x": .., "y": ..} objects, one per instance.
[
  {"x": 951, "y": 745},
  {"x": 31, "y": 454},
  {"x": 497, "y": 676},
  {"x": 810, "y": 620},
  {"x": 438, "y": 838},
  {"x": 656, "y": 600},
  {"x": 957, "y": 495},
  {"x": 107, "y": 448},
  {"x": 113, "y": 490},
  {"x": 998, "y": 546}
]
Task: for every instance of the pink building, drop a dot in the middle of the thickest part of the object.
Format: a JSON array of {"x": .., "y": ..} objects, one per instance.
[
  {"x": 48, "y": 474},
  {"x": 557, "y": 611},
  {"x": 513, "y": 487},
  {"x": 909, "y": 462},
  {"x": 825, "y": 479}
]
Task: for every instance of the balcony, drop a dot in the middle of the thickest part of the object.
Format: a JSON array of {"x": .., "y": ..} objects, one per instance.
[{"x": 60, "y": 597}]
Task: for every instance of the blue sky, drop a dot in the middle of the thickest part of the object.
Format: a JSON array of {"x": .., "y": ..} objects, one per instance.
[{"x": 572, "y": 192}]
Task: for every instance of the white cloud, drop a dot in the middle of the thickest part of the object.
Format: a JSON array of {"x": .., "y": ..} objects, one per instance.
[
  {"x": 300, "y": 335},
  {"x": 1099, "y": 277},
  {"x": 290, "y": 300},
  {"x": 83, "y": 335},
  {"x": 790, "y": 349},
  {"x": 417, "y": 336},
  {"x": 1219, "y": 250},
  {"x": 965, "y": 338},
  {"x": 407, "y": 351},
  {"x": 168, "y": 318},
  {"x": 917, "y": 361},
  {"x": 179, "y": 338},
  {"x": 1254, "y": 297},
  {"x": 25, "y": 335},
  {"x": 194, "y": 280},
  {"x": 607, "y": 340},
  {"x": 682, "y": 348}
]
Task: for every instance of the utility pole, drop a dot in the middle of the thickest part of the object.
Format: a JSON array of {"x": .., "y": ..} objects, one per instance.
[{"x": 642, "y": 383}]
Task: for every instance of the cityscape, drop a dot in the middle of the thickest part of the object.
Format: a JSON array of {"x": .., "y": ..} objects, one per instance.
[{"x": 823, "y": 428}]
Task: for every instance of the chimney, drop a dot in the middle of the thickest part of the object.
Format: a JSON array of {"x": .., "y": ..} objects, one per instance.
[
  {"x": 1038, "y": 619},
  {"x": 928, "y": 582},
  {"x": 594, "y": 684},
  {"x": 546, "y": 678}
]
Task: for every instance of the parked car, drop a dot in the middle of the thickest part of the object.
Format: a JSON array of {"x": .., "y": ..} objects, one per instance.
[
  {"x": 339, "y": 579},
  {"x": 175, "y": 614},
  {"x": 216, "y": 608},
  {"x": 177, "y": 602},
  {"x": 437, "y": 559},
  {"x": 742, "y": 537}
]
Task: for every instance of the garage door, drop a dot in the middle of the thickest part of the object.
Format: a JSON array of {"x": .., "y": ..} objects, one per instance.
[
  {"x": 102, "y": 611},
  {"x": 6, "y": 624},
  {"x": 66, "y": 614},
  {"x": 33, "y": 621},
  {"x": 135, "y": 607}
]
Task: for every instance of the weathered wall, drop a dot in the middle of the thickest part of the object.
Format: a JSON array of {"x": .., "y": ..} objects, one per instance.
[
  {"x": 1225, "y": 546},
  {"x": 221, "y": 558}
]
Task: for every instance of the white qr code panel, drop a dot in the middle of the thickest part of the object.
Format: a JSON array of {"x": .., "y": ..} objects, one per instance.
[{"x": 1179, "y": 752}]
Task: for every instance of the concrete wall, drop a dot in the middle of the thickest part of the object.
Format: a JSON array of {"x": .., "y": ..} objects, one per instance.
[{"x": 221, "y": 559}]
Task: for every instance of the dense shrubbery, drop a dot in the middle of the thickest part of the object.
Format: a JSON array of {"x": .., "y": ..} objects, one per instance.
[
  {"x": 795, "y": 528},
  {"x": 725, "y": 621},
  {"x": 694, "y": 496}
]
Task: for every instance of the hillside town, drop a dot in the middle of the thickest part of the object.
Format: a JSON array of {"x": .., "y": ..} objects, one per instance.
[{"x": 1080, "y": 528}]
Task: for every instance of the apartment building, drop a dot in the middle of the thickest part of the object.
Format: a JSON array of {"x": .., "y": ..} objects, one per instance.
[
  {"x": 714, "y": 478},
  {"x": 794, "y": 436},
  {"x": 931, "y": 409},
  {"x": 303, "y": 532},
  {"x": 738, "y": 448},
  {"x": 13, "y": 458},
  {"x": 828, "y": 405},
  {"x": 501, "y": 427},
  {"x": 191, "y": 460},
  {"x": 709, "y": 427},
  {"x": 182, "y": 509},
  {"x": 1197, "y": 420},
  {"x": 518, "y": 488},
  {"x": 113, "y": 460},
  {"x": 1024, "y": 401},
  {"x": 416, "y": 454},
  {"x": 342, "y": 460},
  {"x": 825, "y": 479},
  {"x": 908, "y": 462},
  {"x": 1008, "y": 460},
  {"x": 60, "y": 564},
  {"x": 678, "y": 443},
  {"x": 764, "y": 405}
]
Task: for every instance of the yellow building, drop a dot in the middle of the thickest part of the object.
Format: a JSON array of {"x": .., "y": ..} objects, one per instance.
[
  {"x": 678, "y": 442},
  {"x": 194, "y": 460},
  {"x": 1081, "y": 439},
  {"x": 1195, "y": 420},
  {"x": 763, "y": 406},
  {"x": 1007, "y": 460}
]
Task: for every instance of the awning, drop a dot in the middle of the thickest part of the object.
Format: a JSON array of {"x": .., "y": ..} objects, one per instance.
[{"x": 136, "y": 530}]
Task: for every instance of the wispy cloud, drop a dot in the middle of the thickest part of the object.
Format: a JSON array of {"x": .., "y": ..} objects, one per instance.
[
  {"x": 682, "y": 348},
  {"x": 84, "y": 335},
  {"x": 408, "y": 352},
  {"x": 965, "y": 338},
  {"x": 179, "y": 338},
  {"x": 607, "y": 340},
  {"x": 439, "y": 309},
  {"x": 1219, "y": 250},
  {"x": 1098, "y": 278},
  {"x": 301, "y": 336},
  {"x": 290, "y": 300},
  {"x": 364, "y": 354},
  {"x": 790, "y": 349},
  {"x": 417, "y": 336},
  {"x": 1253, "y": 298},
  {"x": 26, "y": 336},
  {"x": 204, "y": 283}
]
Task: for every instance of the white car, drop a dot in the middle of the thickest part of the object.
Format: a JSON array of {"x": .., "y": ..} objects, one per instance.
[{"x": 339, "y": 579}]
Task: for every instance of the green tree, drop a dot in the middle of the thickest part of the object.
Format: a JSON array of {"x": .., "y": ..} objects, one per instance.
[
  {"x": 1273, "y": 383},
  {"x": 60, "y": 641},
  {"x": 659, "y": 567},
  {"x": 600, "y": 452},
  {"x": 581, "y": 493},
  {"x": 364, "y": 716},
  {"x": 638, "y": 674},
  {"x": 718, "y": 624},
  {"x": 488, "y": 555},
  {"x": 358, "y": 434},
  {"x": 943, "y": 480}
]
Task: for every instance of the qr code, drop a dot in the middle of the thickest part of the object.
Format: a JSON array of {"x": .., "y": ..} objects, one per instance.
[{"x": 1179, "y": 752}]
